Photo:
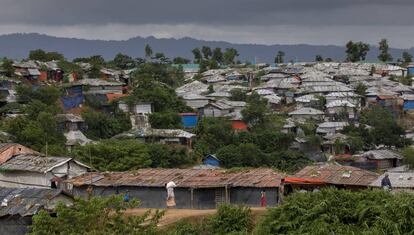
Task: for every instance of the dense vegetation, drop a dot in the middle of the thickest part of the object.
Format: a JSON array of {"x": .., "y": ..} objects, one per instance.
[
  {"x": 105, "y": 216},
  {"x": 124, "y": 155},
  {"x": 103, "y": 125},
  {"x": 95, "y": 216},
  {"x": 263, "y": 147},
  {"x": 377, "y": 127},
  {"x": 228, "y": 219},
  {"x": 38, "y": 128},
  {"x": 329, "y": 211},
  {"x": 341, "y": 212},
  {"x": 154, "y": 80}
]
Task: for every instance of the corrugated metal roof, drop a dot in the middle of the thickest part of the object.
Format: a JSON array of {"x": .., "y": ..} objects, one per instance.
[
  {"x": 306, "y": 111},
  {"x": 33, "y": 72},
  {"x": 333, "y": 124},
  {"x": 33, "y": 163},
  {"x": 382, "y": 154},
  {"x": 188, "y": 178},
  {"x": 319, "y": 89},
  {"x": 340, "y": 103},
  {"x": 25, "y": 201},
  {"x": 194, "y": 97},
  {"x": 341, "y": 175},
  {"x": 69, "y": 117},
  {"x": 97, "y": 82},
  {"x": 219, "y": 94},
  {"x": 342, "y": 94},
  {"x": 240, "y": 104},
  {"x": 194, "y": 87},
  {"x": 306, "y": 98},
  {"x": 4, "y": 146}
]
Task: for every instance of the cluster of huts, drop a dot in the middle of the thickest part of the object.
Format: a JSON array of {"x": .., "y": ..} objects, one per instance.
[
  {"x": 30, "y": 181},
  {"x": 323, "y": 92}
]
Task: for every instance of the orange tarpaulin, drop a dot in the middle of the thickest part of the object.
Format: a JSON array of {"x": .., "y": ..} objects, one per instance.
[
  {"x": 112, "y": 97},
  {"x": 43, "y": 76},
  {"x": 291, "y": 180},
  {"x": 239, "y": 125}
]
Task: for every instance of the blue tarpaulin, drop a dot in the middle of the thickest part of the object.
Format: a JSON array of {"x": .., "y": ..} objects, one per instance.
[
  {"x": 189, "y": 120},
  {"x": 70, "y": 102},
  {"x": 408, "y": 105}
]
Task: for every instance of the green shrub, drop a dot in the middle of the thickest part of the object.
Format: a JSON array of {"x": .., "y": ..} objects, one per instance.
[
  {"x": 341, "y": 212},
  {"x": 231, "y": 219}
]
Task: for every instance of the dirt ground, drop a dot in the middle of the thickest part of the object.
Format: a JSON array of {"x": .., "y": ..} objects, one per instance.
[{"x": 172, "y": 216}]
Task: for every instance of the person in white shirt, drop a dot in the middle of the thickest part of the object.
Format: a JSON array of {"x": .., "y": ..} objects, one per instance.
[{"x": 170, "y": 194}]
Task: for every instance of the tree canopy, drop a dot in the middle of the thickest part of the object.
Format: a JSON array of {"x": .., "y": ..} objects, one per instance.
[
  {"x": 362, "y": 212},
  {"x": 127, "y": 155},
  {"x": 44, "y": 56},
  {"x": 279, "y": 57},
  {"x": 384, "y": 55},
  {"x": 99, "y": 215},
  {"x": 356, "y": 51}
]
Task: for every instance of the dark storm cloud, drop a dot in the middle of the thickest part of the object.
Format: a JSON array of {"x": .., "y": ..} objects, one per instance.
[{"x": 208, "y": 12}]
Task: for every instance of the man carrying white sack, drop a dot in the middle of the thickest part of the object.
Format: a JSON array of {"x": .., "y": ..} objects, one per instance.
[{"x": 170, "y": 194}]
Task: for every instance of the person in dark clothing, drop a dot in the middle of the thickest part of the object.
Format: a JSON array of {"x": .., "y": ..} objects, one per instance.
[
  {"x": 385, "y": 182},
  {"x": 126, "y": 196}
]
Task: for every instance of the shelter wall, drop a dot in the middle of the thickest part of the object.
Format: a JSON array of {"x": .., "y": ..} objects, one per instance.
[
  {"x": 21, "y": 179},
  {"x": 203, "y": 198},
  {"x": 14, "y": 225},
  {"x": 252, "y": 196}
]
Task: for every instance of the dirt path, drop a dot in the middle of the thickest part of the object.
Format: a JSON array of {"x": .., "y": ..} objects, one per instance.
[{"x": 174, "y": 215}]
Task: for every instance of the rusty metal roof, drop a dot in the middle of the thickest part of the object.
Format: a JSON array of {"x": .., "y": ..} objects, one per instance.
[
  {"x": 334, "y": 174},
  {"x": 191, "y": 178},
  {"x": 25, "y": 201}
]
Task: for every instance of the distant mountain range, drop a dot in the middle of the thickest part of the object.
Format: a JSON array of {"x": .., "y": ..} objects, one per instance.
[{"x": 18, "y": 46}]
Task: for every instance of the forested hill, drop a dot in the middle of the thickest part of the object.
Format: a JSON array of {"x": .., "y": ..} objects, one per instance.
[{"x": 18, "y": 45}]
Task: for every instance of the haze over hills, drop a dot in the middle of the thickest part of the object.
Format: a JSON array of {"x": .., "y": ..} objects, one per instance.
[{"x": 18, "y": 46}]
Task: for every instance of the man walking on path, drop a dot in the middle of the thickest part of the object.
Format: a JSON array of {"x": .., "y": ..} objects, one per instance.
[{"x": 170, "y": 194}]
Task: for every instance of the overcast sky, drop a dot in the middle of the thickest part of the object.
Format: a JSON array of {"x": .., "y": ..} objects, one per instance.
[{"x": 318, "y": 22}]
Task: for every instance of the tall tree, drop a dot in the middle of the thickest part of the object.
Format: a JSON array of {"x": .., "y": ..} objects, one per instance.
[
  {"x": 217, "y": 55},
  {"x": 356, "y": 51},
  {"x": 123, "y": 61},
  {"x": 161, "y": 58},
  {"x": 407, "y": 58},
  {"x": 206, "y": 52},
  {"x": 318, "y": 58},
  {"x": 97, "y": 59},
  {"x": 148, "y": 51},
  {"x": 383, "y": 48},
  {"x": 180, "y": 60},
  {"x": 7, "y": 66},
  {"x": 41, "y": 55},
  {"x": 256, "y": 110},
  {"x": 197, "y": 55},
  {"x": 279, "y": 57},
  {"x": 229, "y": 55}
]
